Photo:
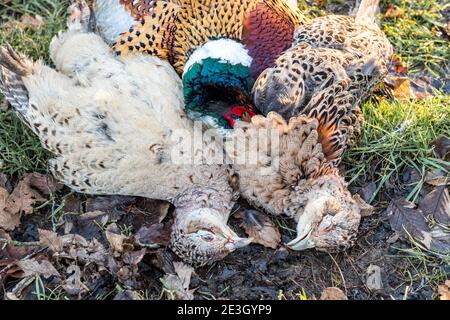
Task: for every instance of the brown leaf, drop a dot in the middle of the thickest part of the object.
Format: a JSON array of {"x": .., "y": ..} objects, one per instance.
[
  {"x": 150, "y": 211},
  {"x": 444, "y": 290},
  {"x": 73, "y": 284},
  {"x": 72, "y": 204},
  {"x": 45, "y": 184},
  {"x": 116, "y": 241},
  {"x": 51, "y": 240},
  {"x": 74, "y": 247},
  {"x": 437, "y": 177},
  {"x": 31, "y": 267},
  {"x": 133, "y": 257},
  {"x": 115, "y": 206},
  {"x": 405, "y": 88},
  {"x": 392, "y": 11},
  {"x": 410, "y": 221},
  {"x": 259, "y": 226},
  {"x": 89, "y": 224},
  {"x": 127, "y": 295},
  {"x": 437, "y": 204},
  {"x": 368, "y": 191},
  {"x": 27, "y": 193},
  {"x": 405, "y": 218},
  {"x": 10, "y": 253},
  {"x": 401, "y": 88},
  {"x": 333, "y": 293},
  {"x": 8, "y": 220},
  {"x": 366, "y": 209},
  {"x": 442, "y": 148},
  {"x": 154, "y": 236},
  {"x": 177, "y": 285},
  {"x": 16, "y": 292}
]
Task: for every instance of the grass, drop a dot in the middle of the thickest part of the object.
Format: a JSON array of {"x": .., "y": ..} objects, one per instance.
[
  {"x": 20, "y": 150},
  {"x": 397, "y": 135},
  {"x": 416, "y": 34}
]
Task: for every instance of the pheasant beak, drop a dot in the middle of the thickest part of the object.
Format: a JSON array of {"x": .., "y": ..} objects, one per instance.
[
  {"x": 302, "y": 242},
  {"x": 306, "y": 225},
  {"x": 237, "y": 243}
]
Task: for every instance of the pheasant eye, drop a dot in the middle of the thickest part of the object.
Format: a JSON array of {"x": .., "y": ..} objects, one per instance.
[{"x": 208, "y": 237}]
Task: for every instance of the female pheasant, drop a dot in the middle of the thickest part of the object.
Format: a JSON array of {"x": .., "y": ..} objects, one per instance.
[
  {"x": 315, "y": 88},
  {"x": 347, "y": 56},
  {"x": 112, "y": 134},
  {"x": 219, "y": 47}
]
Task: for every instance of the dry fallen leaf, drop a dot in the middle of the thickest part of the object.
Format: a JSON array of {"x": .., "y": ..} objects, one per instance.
[
  {"x": 437, "y": 204},
  {"x": 366, "y": 209},
  {"x": 259, "y": 226},
  {"x": 31, "y": 267},
  {"x": 16, "y": 292},
  {"x": 392, "y": 11},
  {"x": 8, "y": 220},
  {"x": 177, "y": 285},
  {"x": 444, "y": 290},
  {"x": 28, "y": 192},
  {"x": 442, "y": 148},
  {"x": 437, "y": 177},
  {"x": 154, "y": 236},
  {"x": 9, "y": 253},
  {"x": 154, "y": 210},
  {"x": 405, "y": 218},
  {"x": 73, "y": 284},
  {"x": 74, "y": 247},
  {"x": 89, "y": 224},
  {"x": 116, "y": 241},
  {"x": 409, "y": 221},
  {"x": 127, "y": 295},
  {"x": 333, "y": 293},
  {"x": 51, "y": 240}
]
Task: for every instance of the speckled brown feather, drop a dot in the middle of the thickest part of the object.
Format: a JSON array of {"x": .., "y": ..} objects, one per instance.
[
  {"x": 334, "y": 64},
  {"x": 300, "y": 157}
]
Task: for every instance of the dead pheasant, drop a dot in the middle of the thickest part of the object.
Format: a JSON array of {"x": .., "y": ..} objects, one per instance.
[
  {"x": 312, "y": 96},
  {"x": 112, "y": 134},
  {"x": 335, "y": 62},
  {"x": 219, "y": 47},
  {"x": 292, "y": 176}
]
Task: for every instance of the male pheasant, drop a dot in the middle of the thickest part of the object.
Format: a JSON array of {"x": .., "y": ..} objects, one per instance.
[{"x": 219, "y": 47}]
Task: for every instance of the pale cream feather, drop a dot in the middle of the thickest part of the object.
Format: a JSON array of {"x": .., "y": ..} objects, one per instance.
[{"x": 111, "y": 121}]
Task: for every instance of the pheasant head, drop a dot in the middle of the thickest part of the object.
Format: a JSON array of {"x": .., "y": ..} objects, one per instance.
[
  {"x": 200, "y": 234},
  {"x": 216, "y": 79},
  {"x": 295, "y": 175},
  {"x": 203, "y": 236},
  {"x": 327, "y": 216}
]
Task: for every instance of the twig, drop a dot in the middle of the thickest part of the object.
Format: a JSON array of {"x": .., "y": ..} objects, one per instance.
[
  {"x": 21, "y": 244},
  {"x": 340, "y": 272}
]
